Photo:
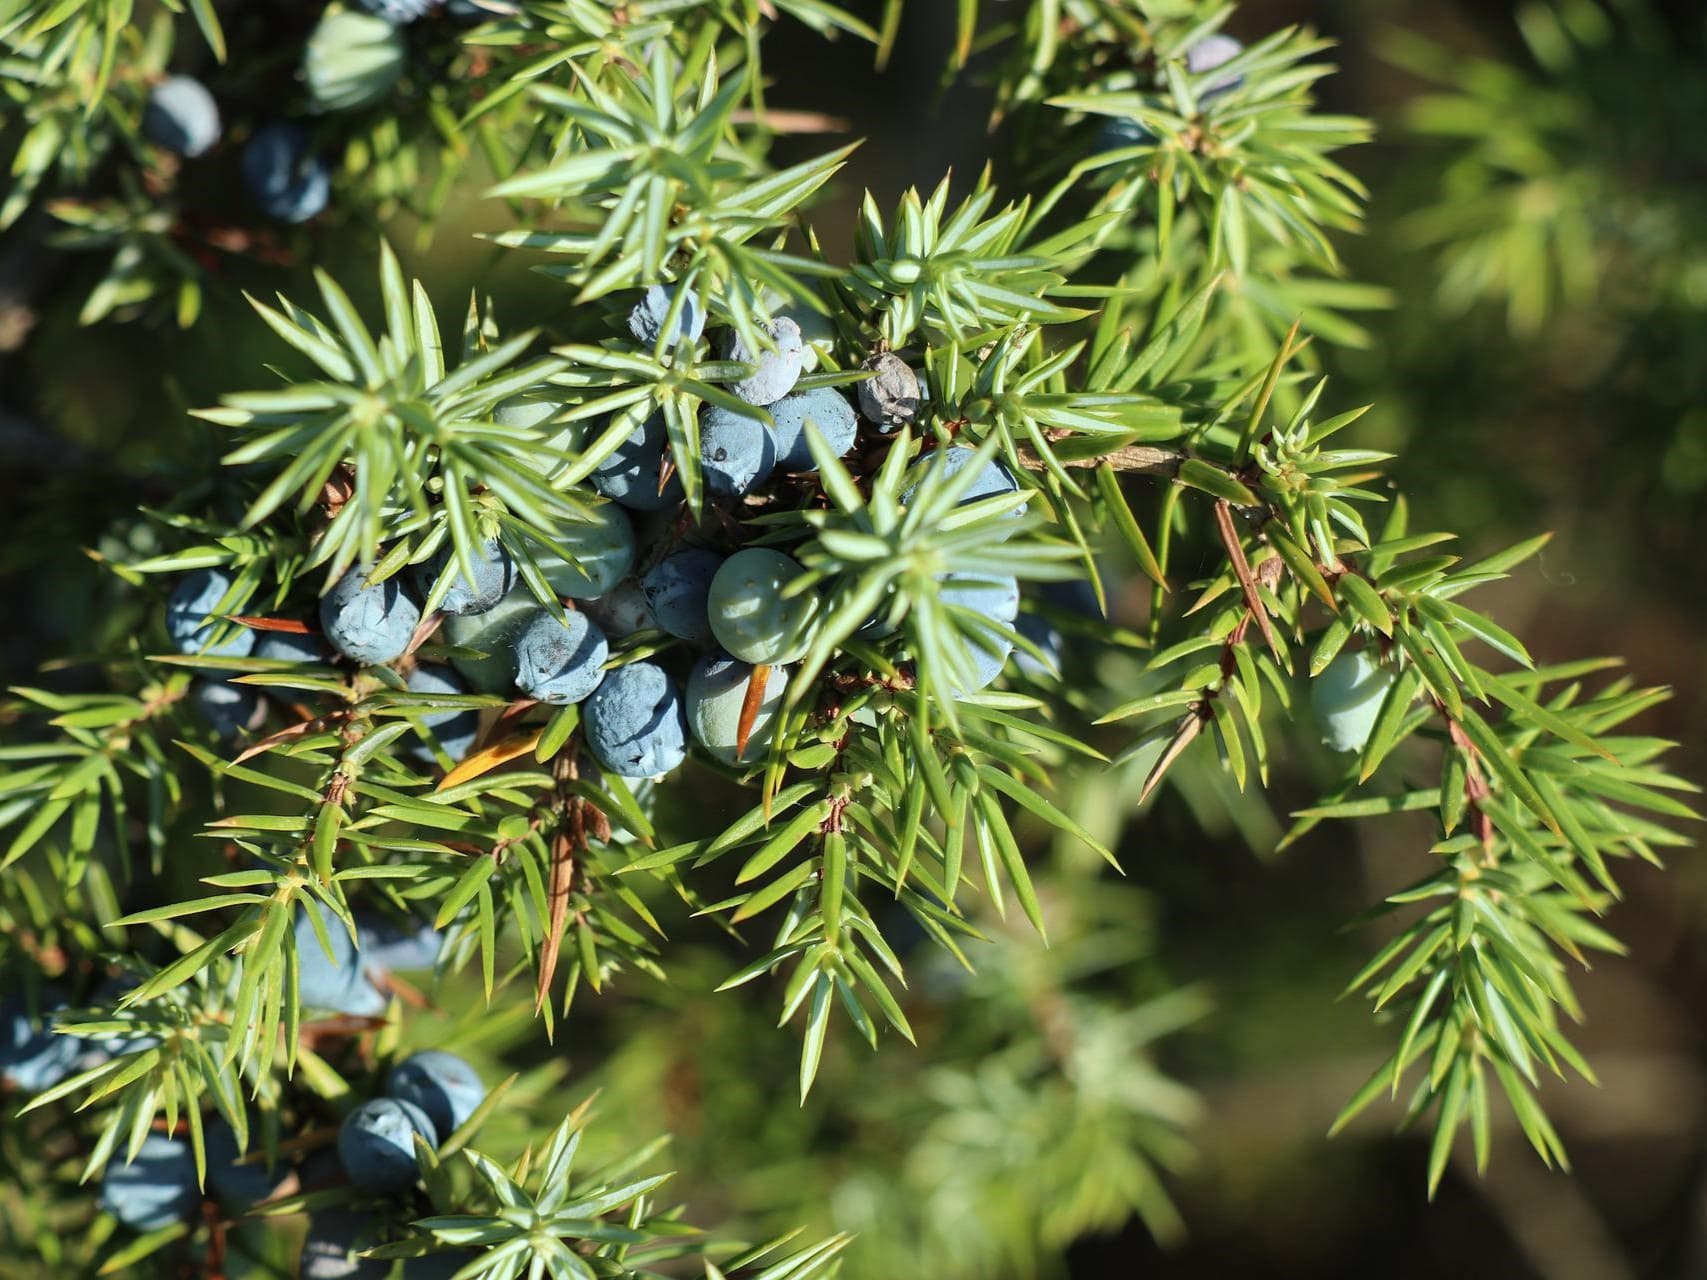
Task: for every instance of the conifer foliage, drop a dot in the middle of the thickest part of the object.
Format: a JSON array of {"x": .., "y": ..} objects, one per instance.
[{"x": 845, "y": 526}]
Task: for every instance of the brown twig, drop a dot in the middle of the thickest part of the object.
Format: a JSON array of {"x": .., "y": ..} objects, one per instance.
[
  {"x": 1247, "y": 580},
  {"x": 1476, "y": 788},
  {"x": 390, "y": 984},
  {"x": 338, "y": 1028},
  {"x": 1139, "y": 459},
  {"x": 785, "y": 121}
]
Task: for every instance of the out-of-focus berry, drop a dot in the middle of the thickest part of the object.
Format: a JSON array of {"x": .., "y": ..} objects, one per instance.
[
  {"x": 352, "y": 60},
  {"x": 441, "y": 1084},
  {"x": 181, "y": 116},
  {"x": 286, "y": 177},
  {"x": 188, "y": 609}
]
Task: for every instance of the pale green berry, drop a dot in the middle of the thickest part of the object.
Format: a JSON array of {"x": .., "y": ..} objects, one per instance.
[
  {"x": 750, "y": 616},
  {"x": 1347, "y": 698}
]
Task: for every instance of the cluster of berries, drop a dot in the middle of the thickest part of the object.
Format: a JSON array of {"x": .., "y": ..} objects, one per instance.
[
  {"x": 353, "y": 58},
  {"x": 634, "y": 566},
  {"x": 429, "y": 1094},
  {"x": 34, "y": 1057},
  {"x": 159, "y": 1187}
]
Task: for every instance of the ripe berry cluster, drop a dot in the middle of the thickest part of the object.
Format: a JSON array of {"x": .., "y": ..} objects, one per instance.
[
  {"x": 353, "y": 58},
  {"x": 637, "y": 567},
  {"x": 160, "y": 1187},
  {"x": 429, "y": 1095},
  {"x": 34, "y": 1057},
  {"x": 432, "y": 1093}
]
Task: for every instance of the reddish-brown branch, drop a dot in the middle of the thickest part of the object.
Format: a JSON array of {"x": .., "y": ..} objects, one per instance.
[
  {"x": 1247, "y": 580},
  {"x": 1139, "y": 459}
]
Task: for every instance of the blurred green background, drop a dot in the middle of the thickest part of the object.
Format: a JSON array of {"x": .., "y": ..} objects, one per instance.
[{"x": 1545, "y": 241}]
